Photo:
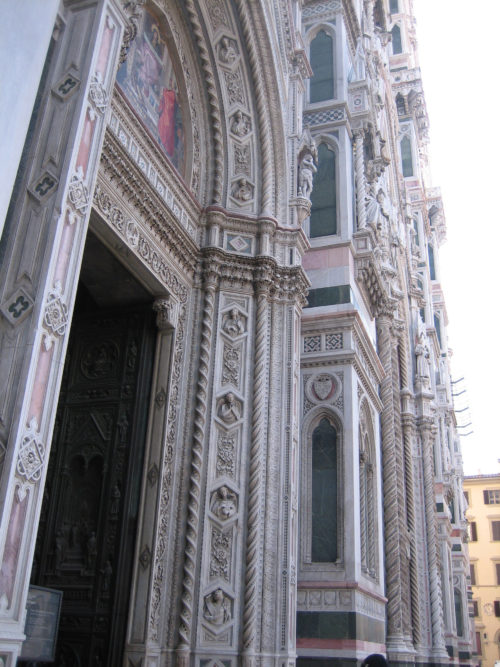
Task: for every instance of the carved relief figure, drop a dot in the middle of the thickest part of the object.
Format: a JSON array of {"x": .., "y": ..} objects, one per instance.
[
  {"x": 242, "y": 190},
  {"x": 230, "y": 408},
  {"x": 307, "y": 169},
  {"x": 377, "y": 213},
  {"x": 227, "y": 51},
  {"x": 223, "y": 503},
  {"x": 234, "y": 324},
  {"x": 240, "y": 124},
  {"x": 216, "y": 607}
]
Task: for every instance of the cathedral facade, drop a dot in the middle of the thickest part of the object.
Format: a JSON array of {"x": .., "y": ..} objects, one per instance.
[{"x": 226, "y": 420}]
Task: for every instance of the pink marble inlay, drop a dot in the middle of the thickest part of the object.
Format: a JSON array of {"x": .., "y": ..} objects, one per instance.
[
  {"x": 102, "y": 60},
  {"x": 65, "y": 248},
  {"x": 85, "y": 144},
  {"x": 41, "y": 381},
  {"x": 326, "y": 258},
  {"x": 12, "y": 546}
]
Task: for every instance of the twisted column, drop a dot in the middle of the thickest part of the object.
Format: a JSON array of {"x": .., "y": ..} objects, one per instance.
[
  {"x": 253, "y": 545},
  {"x": 407, "y": 424},
  {"x": 359, "y": 167},
  {"x": 438, "y": 644},
  {"x": 390, "y": 482},
  {"x": 190, "y": 552},
  {"x": 363, "y": 507}
]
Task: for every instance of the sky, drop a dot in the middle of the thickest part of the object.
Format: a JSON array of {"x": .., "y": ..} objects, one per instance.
[{"x": 459, "y": 63}]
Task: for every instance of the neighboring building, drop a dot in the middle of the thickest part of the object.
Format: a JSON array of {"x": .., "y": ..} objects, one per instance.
[
  {"x": 226, "y": 421},
  {"x": 482, "y": 494}
]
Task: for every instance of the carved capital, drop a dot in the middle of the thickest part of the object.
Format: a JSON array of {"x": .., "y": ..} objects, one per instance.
[{"x": 166, "y": 313}]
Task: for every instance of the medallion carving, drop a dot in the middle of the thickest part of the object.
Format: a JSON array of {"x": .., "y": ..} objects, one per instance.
[
  {"x": 234, "y": 323},
  {"x": 323, "y": 387},
  {"x": 224, "y": 503},
  {"x": 31, "y": 454},
  {"x": 240, "y": 124},
  {"x": 217, "y": 607},
  {"x": 229, "y": 408}
]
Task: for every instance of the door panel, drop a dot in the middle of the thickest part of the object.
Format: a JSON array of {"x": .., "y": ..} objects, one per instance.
[{"x": 87, "y": 528}]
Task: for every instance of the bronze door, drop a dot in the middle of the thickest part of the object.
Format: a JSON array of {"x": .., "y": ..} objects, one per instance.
[{"x": 86, "y": 535}]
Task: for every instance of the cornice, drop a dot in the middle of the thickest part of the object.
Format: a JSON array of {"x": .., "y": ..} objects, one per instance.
[{"x": 128, "y": 181}]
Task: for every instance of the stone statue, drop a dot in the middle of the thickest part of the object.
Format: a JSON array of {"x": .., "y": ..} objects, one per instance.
[
  {"x": 216, "y": 608},
  {"x": 377, "y": 213},
  {"x": 91, "y": 551},
  {"x": 307, "y": 169},
  {"x": 422, "y": 354},
  {"x": 223, "y": 503}
]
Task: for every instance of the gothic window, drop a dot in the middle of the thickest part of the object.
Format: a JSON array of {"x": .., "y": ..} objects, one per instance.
[
  {"x": 367, "y": 495},
  {"x": 397, "y": 46},
  {"x": 323, "y": 221},
  {"x": 437, "y": 326},
  {"x": 393, "y": 6},
  {"x": 321, "y": 58},
  {"x": 432, "y": 264},
  {"x": 458, "y": 612},
  {"x": 324, "y": 548},
  {"x": 406, "y": 157},
  {"x": 148, "y": 81}
]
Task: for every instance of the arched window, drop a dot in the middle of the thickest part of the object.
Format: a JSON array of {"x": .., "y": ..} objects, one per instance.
[
  {"x": 393, "y": 6},
  {"x": 367, "y": 496},
  {"x": 406, "y": 157},
  {"x": 321, "y": 58},
  {"x": 324, "y": 548},
  {"x": 397, "y": 45},
  {"x": 437, "y": 326},
  {"x": 323, "y": 221}
]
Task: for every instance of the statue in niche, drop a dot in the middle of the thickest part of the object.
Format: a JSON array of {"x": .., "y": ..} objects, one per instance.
[
  {"x": 377, "y": 211},
  {"x": 114, "y": 507},
  {"x": 60, "y": 555},
  {"x": 223, "y": 503},
  {"x": 216, "y": 607},
  {"x": 230, "y": 408},
  {"x": 307, "y": 169},
  {"x": 242, "y": 190},
  {"x": 227, "y": 51},
  {"x": 234, "y": 324},
  {"x": 240, "y": 124},
  {"x": 423, "y": 358}
]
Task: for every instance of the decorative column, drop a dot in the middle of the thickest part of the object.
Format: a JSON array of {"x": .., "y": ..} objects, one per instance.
[
  {"x": 359, "y": 167},
  {"x": 408, "y": 426},
  {"x": 426, "y": 429},
  {"x": 188, "y": 600},
  {"x": 254, "y": 544},
  {"x": 398, "y": 641},
  {"x": 39, "y": 277}
]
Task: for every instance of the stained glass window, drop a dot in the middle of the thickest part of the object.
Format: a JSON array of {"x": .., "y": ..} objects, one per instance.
[
  {"x": 323, "y": 220},
  {"x": 324, "y": 493},
  {"x": 321, "y": 58}
]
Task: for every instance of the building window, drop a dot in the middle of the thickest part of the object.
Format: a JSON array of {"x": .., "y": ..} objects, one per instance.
[
  {"x": 393, "y": 6},
  {"x": 323, "y": 221},
  {"x": 432, "y": 265},
  {"x": 324, "y": 493},
  {"x": 475, "y": 608},
  {"x": 458, "y": 612},
  {"x": 497, "y": 572},
  {"x": 495, "y": 531},
  {"x": 397, "y": 46},
  {"x": 472, "y": 527},
  {"x": 466, "y": 496},
  {"x": 473, "y": 575},
  {"x": 491, "y": 496},
  {"x": 497, "y": 608},
  {"x": 478, "y": 643},
  {"x": 406, "y": 157},
  {"x": 321, "y": 58}
]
